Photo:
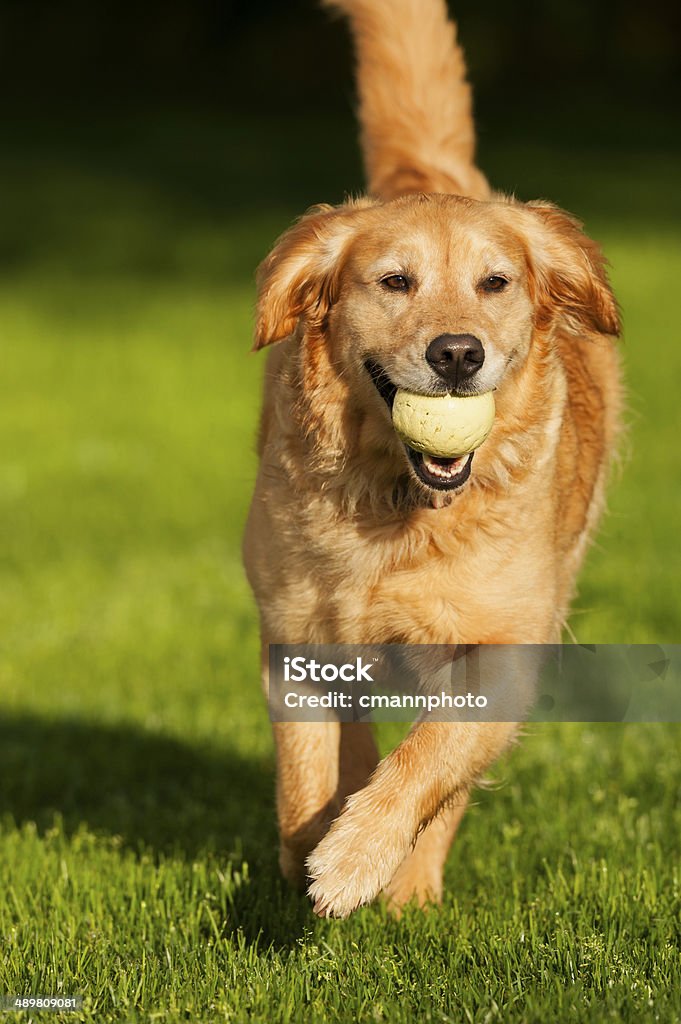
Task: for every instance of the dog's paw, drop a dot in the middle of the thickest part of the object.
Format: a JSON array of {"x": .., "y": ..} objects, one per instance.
[{"x": 356, "y": 860}]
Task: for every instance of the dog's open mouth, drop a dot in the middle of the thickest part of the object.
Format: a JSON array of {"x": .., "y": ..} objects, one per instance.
[
  {"x": 440, "y": 474},
  {"x": 434, "y": 472}
]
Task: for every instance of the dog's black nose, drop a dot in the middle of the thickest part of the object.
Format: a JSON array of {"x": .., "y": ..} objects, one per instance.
[{"x": 456, "y": 357}]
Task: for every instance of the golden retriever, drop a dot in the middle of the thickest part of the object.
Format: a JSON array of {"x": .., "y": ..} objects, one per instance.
[{"x": 436, "y": 284}]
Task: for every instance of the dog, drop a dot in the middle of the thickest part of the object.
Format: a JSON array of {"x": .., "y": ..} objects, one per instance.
[{"x": 436, "y": 284}]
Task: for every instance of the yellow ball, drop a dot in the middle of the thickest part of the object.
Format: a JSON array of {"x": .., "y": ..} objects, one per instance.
[{"x": 443, "y": 425}]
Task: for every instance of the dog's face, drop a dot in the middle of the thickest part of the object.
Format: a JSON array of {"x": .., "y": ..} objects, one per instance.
[{"x": 433, "y": 294}]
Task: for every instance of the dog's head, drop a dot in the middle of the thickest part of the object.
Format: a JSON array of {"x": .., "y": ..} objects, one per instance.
[{"x": 435, "y": 294}]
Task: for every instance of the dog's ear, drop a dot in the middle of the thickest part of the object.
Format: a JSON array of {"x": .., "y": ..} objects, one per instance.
[
  {"x": 567, "y": 273},
  {"x": 301, "y": 276}
]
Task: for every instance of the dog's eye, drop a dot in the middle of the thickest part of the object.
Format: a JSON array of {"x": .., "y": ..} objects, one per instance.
[
  {"x": 493, "y": 283},
  {"x": 396, "y": 282}
]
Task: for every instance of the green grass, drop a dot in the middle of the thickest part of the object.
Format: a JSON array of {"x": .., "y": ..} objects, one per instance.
[{"x": 137, "y": 840}]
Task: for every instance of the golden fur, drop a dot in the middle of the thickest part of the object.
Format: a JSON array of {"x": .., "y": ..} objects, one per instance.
[{"x": 344, "y": 543}]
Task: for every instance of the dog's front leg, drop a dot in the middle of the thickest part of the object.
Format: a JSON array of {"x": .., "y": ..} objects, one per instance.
[
  {"x": 419, "y": 878},
  {"x": 318, "y": 765},
  {"x": 307, "y": 756},
  {"x": 430, "y": 772},
  {"x": 436, "y": 765},
  {"x": 307, "y": 786}
]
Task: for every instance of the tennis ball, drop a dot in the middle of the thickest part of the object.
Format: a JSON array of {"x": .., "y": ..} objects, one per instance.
[{"x": 443, "y": 425}]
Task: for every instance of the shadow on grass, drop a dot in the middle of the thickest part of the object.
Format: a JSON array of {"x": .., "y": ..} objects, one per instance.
[{"x": 160, "y": 796}]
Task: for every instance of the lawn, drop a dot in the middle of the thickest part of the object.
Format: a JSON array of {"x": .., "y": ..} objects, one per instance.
[{"x": 137, "y": 838}]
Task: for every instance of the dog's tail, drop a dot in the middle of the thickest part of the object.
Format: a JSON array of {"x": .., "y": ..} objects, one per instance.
[{"x": 414, "y": 100}]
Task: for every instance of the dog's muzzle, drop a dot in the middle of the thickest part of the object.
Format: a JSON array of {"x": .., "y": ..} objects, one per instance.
[{"x": 433, "y": 472}]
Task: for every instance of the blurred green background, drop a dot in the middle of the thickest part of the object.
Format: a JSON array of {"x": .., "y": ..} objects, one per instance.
[{"x": 148, "y": 159}]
